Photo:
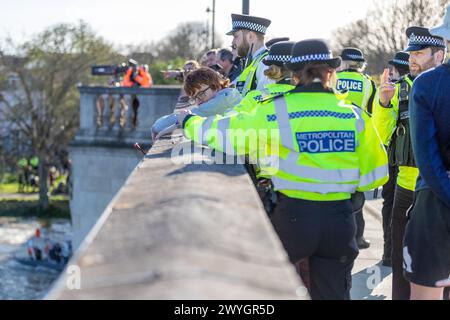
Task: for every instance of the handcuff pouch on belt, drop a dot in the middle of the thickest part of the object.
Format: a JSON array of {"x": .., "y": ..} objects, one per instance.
[{"x": 267, "y": 193}]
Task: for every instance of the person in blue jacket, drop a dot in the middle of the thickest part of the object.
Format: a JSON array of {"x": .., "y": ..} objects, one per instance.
[{"x": 426, "y": 251}]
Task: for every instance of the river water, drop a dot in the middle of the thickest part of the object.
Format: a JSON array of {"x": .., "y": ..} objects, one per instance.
[{"x": 18, "y": 281}]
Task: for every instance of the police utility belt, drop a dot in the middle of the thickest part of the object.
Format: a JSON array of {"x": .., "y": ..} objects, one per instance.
[{"x": 267, "y": 194}]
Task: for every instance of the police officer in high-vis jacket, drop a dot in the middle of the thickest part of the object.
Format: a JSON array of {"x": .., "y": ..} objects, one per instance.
[
  {"x": 361, "y": 91},
  {"x": 399, "y": 68},
  {"x": 248, "y": 38},
  {"x": 391, "y": 117},
  {"x": 350, "y": 77},
  {"x": 318, "y": 150}
]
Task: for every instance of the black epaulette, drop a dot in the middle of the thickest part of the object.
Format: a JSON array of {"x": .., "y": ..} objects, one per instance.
[
  {"x": 365, "y": 111},
  {"x": 342, "y": 91},
  {"x": 402, "y": 78},
  {"x": 273, "y": 97},
  {"x": 265, "y": 97},
  {"x": 258, "y": 98},
  {"x": 347, "y": 70}
]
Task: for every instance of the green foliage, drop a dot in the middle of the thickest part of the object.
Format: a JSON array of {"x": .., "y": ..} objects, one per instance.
[
  {"x": 30, "y": 208},
  {"x": 48, "y": 68},
  {"x": 9, "y": 187},
  {"x": 10, "y": 184},
  {"x": 3, "y": 81},
  {"x": 9, "y": 178}
]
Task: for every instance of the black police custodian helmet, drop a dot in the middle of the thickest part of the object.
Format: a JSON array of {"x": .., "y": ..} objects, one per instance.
[
  {"x": 401, "y": 59},
  {"x": 271, "y": 42},
  {"x": 420, "y": 38},
  {"x": 279, "y": 53},
  {"x": 312, "y": 50},
  {"x": 352, "y": 54},
  {"x": 246, "y": 22}
]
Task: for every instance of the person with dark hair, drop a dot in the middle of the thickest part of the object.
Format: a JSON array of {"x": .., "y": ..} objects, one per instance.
[
  {"x": 238, "y": 65},
  {"x": 391, "y": 117},
  {"x": 399, "y": 66},
  {"x": 210, "y": 59},
  {"x": 225, "y": 60},
  {"x": 211, "y": 94},
  {"x": 318, "y": 150}
]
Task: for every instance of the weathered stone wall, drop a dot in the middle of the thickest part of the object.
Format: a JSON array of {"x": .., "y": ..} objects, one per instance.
[
  {"x": 183, "y": 231},
  {"x": 99, "y": 173}
]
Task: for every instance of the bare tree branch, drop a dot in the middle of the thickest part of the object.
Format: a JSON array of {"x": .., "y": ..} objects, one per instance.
[
  {"x": 47, "y": 69},
  {"x": 382, "y": 33}
]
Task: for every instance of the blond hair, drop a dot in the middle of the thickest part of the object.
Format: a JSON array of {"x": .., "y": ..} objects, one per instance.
[{"x": 277, "y": 73}]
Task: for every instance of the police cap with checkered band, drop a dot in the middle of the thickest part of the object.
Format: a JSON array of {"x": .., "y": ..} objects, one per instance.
[
  {"x": 312, "y": 50},
  {"x": 352, "y": 54},
  {"x": 246, "y": 22},
  {"x": 420, "y": 38},
  {"x": 400, "y": 59},
  {"x": 279, "y": 53}
]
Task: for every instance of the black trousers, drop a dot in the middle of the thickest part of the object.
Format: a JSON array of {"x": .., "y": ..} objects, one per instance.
[
  {"x": 386, "y": 212},
  {"x": 403, "y": 199},
  {"x": 360, "y": 223},
  {"x": 324, "y": 232},
  {"x": 427, "y": 240}
]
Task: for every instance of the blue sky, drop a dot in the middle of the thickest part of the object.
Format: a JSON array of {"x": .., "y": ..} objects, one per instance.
[{"x": 140, "y": 21}]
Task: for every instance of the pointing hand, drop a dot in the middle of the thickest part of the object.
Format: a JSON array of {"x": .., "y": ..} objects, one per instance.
[{"x": 387, "y": 89}]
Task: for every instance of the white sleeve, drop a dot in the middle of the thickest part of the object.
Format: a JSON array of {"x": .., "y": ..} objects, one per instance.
[
  {"x": 164, "y": 122},
  {"x": 261, "y": 79}
]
